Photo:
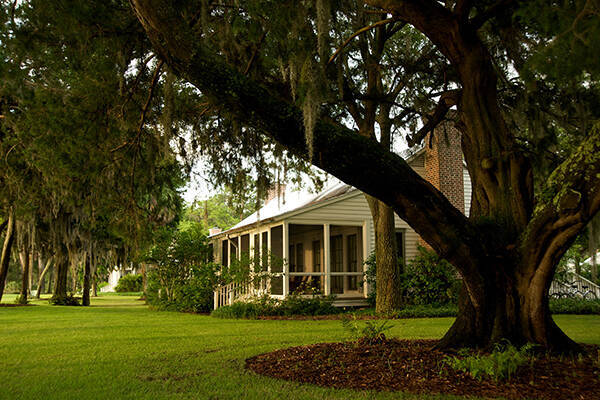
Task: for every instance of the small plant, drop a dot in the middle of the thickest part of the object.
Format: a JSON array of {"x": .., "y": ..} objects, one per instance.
[
  {"x": 21, "y": 300},
  {"x": 371, "y": 332},
  {"x": 501, "y": 364}
]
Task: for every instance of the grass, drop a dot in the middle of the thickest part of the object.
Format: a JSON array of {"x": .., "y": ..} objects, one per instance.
[{"x": 118, "y": 349}]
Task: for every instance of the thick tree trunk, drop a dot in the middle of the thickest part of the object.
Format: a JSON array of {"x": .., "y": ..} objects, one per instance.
[
  {"x": 511, "y": 307},
  {"x": 389, "y": 270},
  {"x": 85, "y": 299},
  {"x": 25, "y": 277},
  {"x": 6, "y": 250},
  {"x": 43, "y": 272},
  {"x": 60, "y": 283}
]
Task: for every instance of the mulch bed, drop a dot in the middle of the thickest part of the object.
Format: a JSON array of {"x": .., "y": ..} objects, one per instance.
[{"x": 413, "y": 366}]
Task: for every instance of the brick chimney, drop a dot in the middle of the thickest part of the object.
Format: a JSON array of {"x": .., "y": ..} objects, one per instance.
[
  {"x": 277, "y": 190},
  {"x": 214, "y": 231},
  {"x": 444, "y": 163}
]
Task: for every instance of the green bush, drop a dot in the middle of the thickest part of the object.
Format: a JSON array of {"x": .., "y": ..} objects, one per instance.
[
  {"x": 501, "y": 364},
  {"x": 429, "y": 279},
  {"x": 266, "y": 306},
  {"x": 68, "y": 300},
  {"x": 574, "y": 306},
  {"x": 194, "y": 294},
  {"x": 12, "y": 287},
  {"x": 21, "y": 300},
  {"x": 371, "y": 279},
  {"x": 129, "y": 283}
]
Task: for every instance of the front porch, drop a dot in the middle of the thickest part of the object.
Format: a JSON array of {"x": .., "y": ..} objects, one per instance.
[{"x": 304, "y": 259}]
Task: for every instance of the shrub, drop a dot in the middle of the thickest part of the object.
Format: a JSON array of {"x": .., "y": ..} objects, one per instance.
[
  {"x": 501, "y": 364},
  {"x": 371, "y": 279},
  {"x": 192, "y": 294},
  {"x": 266, "y": 306},
  {"x": 12, "y": 287},
  {"x": 574, "y": 306},
  {"x": 129, "y": 283},
  {"x": 21, "y": 300},
  {"x": 68, "y": 300},
  {"x": 429, "y": 279}
]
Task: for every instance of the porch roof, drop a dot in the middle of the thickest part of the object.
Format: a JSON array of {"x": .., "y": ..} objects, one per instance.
[
  {"x": 276, "y": 209},
  {"x": 279, "y": 207}
]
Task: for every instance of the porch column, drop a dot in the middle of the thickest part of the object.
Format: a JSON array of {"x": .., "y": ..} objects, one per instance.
[
  {"x": 228, "y": 251},
  {"x": 365, "y": 253},
  {"x": 269, "y": 259},
  {"x": 252, "y": 264},
  {"x": 327, "y": 258},
  {"x": 286, "y": 264}
]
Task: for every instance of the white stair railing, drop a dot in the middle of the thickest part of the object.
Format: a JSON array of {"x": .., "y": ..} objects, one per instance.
[
  {"x": 574, "y": 285},
  {"x": 227, "y": 294}
]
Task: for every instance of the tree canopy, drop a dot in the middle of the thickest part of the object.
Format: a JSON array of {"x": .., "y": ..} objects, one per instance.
[{"x": 531, "y": 153}]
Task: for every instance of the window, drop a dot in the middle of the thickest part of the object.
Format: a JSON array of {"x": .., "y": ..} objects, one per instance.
[
  {"x": 256, "y": 250},
  {"x": 316, "y": 255},
  {"x": 265, "y": 251},
  {"x": 233, "y": 245},
  {"x": 224, "y": 252},
  {"x": 299, "y": 257},
  {"x": 337, "y": 264},
  {"x": 292, "y": 258},
  {"x": 352, "y": 262}
]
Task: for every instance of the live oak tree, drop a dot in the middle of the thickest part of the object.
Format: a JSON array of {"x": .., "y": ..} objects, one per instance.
[
  {"x": 85, "y": 159},
  {"x": 522, "y": 220}
]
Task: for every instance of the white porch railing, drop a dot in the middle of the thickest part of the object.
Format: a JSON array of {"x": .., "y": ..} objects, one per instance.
[
  {"x": 225, "y": 295},
  {"x": 575, "y": 285}
]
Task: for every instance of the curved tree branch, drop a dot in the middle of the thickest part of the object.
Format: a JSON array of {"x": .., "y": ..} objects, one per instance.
[
  {"x": 447, "y": 100},
  {"x": 569, "y": 201},
  {"x": 343, "y": 153}
]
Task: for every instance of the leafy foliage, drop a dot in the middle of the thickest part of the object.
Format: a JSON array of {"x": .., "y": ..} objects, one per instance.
[
  {"x": 183, "y": 277},
  {"x": 68, "y": 300},
  {"x": 129, "y": 283},
  {"x": 427, "y": 280},
  {"x": 501, "y": 364},
  {"x": 575, "y": 306},
  {"x": 267, "y": 306}
]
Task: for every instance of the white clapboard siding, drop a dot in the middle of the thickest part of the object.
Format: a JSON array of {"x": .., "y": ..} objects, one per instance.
[
  {"x": 353, "y": 209},
  {"x": 467, "y": 189}
]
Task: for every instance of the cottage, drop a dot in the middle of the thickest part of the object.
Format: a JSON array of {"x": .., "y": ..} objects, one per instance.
[{"x": 324, "y": 239}]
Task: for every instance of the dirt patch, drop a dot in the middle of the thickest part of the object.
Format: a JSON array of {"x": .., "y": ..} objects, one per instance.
[
  {"x": 16, "y": 305},
  {"x": 413, "y": 366}
]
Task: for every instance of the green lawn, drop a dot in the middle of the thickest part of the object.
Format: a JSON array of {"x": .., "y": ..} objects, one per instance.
[{"x": 118, "y": 349}]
